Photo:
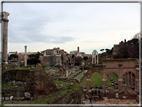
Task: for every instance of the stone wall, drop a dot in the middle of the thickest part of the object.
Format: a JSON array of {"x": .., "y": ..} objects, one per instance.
[{"x": 51, "y": 60}]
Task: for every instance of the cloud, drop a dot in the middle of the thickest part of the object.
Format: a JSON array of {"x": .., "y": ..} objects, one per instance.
[{"x": 93, "y": 41}]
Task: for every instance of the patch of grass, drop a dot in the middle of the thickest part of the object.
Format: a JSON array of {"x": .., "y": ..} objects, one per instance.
[
  {"x": 22, "y": 68},
  {"x": 96, "y": 80},
  {"x": 7, "y": 86},
  {"x": 60, "y": 82},
  {"x": 6, "y": 65},
  {"x": 84, "y": 83}
]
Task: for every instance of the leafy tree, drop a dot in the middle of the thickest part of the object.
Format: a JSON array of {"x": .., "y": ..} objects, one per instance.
[
  {"x": 101, "y": 49},
  {"x": 78, "y": 61},
  {"x": 85, "y": 58},
  {"x": 73, "y": 56},
  {"x": 12, "y": 56},
  {"x": 33, "y": 59}
]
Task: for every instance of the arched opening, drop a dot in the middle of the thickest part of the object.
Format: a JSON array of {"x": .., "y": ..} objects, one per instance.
[
  {"x": 96, "y": 80},
  {"x": 129, "y": 80},
  {"x": 112, "y": 81}
]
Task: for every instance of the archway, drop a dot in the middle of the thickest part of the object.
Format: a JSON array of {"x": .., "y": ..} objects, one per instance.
[
  {"x": 129, "y": 79},
  {"x": 96, "y": 79},
  {"x": 112, "y": 80}
]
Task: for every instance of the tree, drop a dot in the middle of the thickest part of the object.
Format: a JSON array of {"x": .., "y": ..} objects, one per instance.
[
  {"x": 33, "y": 59},
  {"x": 12, "y": 56},
  {"x": 78, "y": 61},
  {"x": 73, "y": 56},
  {"x": 85, "y": 58}
]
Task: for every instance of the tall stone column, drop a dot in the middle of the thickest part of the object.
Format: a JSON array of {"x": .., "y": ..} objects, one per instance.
[
  {"x": 25, "y": 56},
  {"x": 5, "y": 35}
]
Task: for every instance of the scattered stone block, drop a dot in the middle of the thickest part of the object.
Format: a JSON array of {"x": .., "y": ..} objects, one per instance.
[
  {"x": 22, "y": 99},
  {"x": 31, "y": 98},
  {"x": 105, "y": 98},
  {"x": 6, "y": 98},
  {"x": 13, "y": 82},
  {"x": 27, "y": 95},
  {"x": 117, "y": 96},
  {"x": 9, "y": 83},
  {"x": 16, "y": 86},
  {"x": 71, "y": 84},
  {"x": 124, "y": 97},
  {"x": 11, "y": 97}
]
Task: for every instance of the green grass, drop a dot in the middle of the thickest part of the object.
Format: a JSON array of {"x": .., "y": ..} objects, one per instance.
[
  {"x": 6, "y": 65},
  {"x": 22, "y": 68},
  {"x": 7, "y": 86},
  {"x": 60, "y": 82},
  {"x": 114, "y": 77}
]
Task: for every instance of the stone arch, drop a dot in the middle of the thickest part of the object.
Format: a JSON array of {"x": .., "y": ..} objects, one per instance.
[
  {"x": 126, "y": 71},
  {"x": 94, "y": 54},
  {"x": 88, "y": 76},
  {"x": 131, "y": 79}
]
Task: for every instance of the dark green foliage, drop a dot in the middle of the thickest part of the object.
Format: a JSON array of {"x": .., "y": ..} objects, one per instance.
[
  {"x": 73, "y": 56},
  {"x": 101, "y": 49},
  {"x": 12, "y": 56},
  {"x": 85, "y": 58},
  {"x": 33, "y": 59},
  {"x": 78, "y": 61}
]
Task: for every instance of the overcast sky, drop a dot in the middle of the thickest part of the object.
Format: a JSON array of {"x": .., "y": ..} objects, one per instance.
[{"x": 69, "y": 25}]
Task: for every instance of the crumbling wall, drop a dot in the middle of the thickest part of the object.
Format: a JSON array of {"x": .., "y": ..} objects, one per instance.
[{"x": 37, "y": 83}]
